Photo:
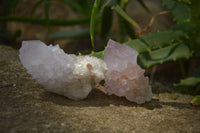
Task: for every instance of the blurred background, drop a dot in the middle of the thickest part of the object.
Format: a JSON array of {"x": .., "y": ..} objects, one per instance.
[{"x": 26, "y": 21}]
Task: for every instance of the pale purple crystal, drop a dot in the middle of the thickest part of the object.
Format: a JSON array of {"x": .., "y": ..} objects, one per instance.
[
  {"x": 124, "y": 76},
  {"x": 65, "y": 74}
]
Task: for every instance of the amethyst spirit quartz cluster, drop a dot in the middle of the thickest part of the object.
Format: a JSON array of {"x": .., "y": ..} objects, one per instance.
[
  {"x": 75, "y": 76},
  {"x": 124, "y": 76}
]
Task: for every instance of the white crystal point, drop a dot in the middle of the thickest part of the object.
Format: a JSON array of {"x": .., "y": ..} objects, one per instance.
[
  {"x": 124, "y": 76},
  {"x": 61, "y": 73}
]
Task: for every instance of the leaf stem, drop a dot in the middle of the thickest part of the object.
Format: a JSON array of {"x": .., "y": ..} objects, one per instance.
[{"x": 92, "y": 20}]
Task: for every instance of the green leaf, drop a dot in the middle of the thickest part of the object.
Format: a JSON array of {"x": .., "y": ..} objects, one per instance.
[
  {"x": 155, "y": 41},
  {"x": 176, "y": 51},
  {"x": 191, "y": 84},
  {"x": 77, "y": 33},
  {"x": 190, "y": 81},
  {"x": 99, "y": 54},
  {"x": 180, "y": 11},
  {"x": 196, "y": 101},
  {"x": 163, "y": 46},
  {"x": 160, "y": 39},
  {"x": 170, "y": 53},
  {"x": 92, "y": 21}
]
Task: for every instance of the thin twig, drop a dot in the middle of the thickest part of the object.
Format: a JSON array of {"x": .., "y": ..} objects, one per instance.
[{"x": 152, "y": 21}]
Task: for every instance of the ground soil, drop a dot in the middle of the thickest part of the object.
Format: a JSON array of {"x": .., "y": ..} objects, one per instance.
[{"x": 26, "y": 107}]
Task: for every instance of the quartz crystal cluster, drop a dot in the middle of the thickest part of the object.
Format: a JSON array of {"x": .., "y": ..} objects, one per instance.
[
  {"x": 61, "y": 73},
  {"x": 124, "y": 76}
]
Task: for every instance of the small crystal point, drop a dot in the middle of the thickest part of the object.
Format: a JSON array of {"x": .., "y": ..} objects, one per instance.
[{"x": 124, "y": 76}]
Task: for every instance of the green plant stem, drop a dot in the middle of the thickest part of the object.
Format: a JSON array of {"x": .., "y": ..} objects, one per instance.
[
  {"x": 122, "y": 22},
  {"x": 123, "y": 14},
  {"x": 43, "y": 21},
  {"x": 92, "y": 21}
]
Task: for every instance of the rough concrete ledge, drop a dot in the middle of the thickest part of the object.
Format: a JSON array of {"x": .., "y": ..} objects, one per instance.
[{"x": 26, "y": 107}]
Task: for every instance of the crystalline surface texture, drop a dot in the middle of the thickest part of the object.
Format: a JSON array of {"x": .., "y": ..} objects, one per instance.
[
  {"x": 124, "y": 76},
  {"x": 46, "y": 64},
  {"x": 61, "y": 73}
]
